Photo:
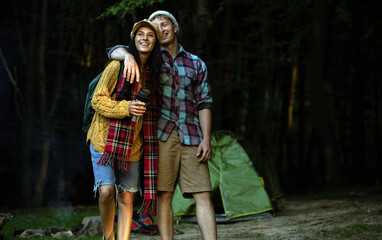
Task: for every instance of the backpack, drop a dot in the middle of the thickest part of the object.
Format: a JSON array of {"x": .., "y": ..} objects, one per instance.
[{"x": 89, "y": 111}]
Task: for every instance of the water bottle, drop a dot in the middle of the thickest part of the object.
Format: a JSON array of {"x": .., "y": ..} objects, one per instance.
[{"x": 142, "y": 96}]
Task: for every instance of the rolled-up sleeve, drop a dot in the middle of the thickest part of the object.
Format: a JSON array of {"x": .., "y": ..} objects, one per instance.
[
  {"x": 111, "y": 49},
  {"x": 203, "y": 90}
]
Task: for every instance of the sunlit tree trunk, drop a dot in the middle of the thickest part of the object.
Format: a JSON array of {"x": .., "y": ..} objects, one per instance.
[
  {"x": 292, "y": 91},
  {"x": 303, "y": 162},
  {"x": 289, "y": 143}
]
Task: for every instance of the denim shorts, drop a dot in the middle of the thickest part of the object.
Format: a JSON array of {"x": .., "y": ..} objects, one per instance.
[{"x": 106, "y": 175}]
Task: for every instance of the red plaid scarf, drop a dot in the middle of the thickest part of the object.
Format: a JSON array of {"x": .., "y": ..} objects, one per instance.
[{"x": 119, "y": 142}]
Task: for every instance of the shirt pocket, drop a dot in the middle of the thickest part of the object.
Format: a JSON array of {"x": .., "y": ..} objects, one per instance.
[
  {"x": 188, "y": 82},
  {"x": 188, "y": 85},
  {"x": 165, "y": 75}
]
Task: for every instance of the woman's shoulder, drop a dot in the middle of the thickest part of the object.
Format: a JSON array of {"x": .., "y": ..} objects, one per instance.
[
  {"x": 114, "y": 64},
  {"x": 113, "y": 67}
]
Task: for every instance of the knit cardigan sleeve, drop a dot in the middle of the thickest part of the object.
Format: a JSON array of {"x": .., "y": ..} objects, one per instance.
[
  {"x": 106, "y": 107},
  {"x": 102, "y": 101}
]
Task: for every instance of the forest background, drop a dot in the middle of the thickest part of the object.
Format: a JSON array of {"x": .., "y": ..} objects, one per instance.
[{"x": 298, "y": 82}]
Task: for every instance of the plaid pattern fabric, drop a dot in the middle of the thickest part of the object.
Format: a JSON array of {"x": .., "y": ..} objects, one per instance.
[
  {"x": 144, "y": 224},
  {"x": 150, "y": 159},
  {"x": 184, "y": 91},
  {"x": 119, "y": 142}
]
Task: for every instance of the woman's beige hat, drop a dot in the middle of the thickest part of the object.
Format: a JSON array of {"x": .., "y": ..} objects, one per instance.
[{"x": 146, "y": 22}]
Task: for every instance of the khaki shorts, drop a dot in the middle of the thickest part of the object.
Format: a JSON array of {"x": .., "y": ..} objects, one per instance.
[{"x": 178, "y": 163}]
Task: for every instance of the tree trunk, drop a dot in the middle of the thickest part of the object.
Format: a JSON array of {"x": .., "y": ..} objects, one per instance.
[
  {"x": 290, "y": 158},
  {"x": 321, "y": 115},
  {"x": 302, "y": 160},
  {"x": 222, "y": 70},
  {"x": 28, "y": 110},
  {"x": 241, "y": 77},
  {"x": 292, "y": 90},
  {"x": 38, "y": 198},
  {"x": 201, "y": 26},
  {"x": 357, "y": 100},
  {"x": 270, "y": 101}
]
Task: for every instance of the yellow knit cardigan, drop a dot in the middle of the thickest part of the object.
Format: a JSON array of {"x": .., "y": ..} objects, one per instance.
[{"x": 106, "y": 108}]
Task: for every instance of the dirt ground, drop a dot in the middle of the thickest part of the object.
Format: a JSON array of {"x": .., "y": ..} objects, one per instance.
[{"x": 303, "y": 217}]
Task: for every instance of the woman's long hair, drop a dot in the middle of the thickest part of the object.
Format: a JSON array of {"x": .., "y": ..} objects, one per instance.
[{"x": 154, "y": 62}]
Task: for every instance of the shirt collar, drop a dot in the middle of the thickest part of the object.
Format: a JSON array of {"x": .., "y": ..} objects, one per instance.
[{"x": 181, "y": 51}]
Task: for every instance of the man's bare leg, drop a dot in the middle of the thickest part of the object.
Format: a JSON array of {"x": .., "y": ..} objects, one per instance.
[
  {"x": 165, "y": 215},
  {"x": 205, "y": 214}
]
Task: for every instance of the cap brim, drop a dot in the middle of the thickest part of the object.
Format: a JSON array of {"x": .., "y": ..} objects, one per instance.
[{"x": 147, "y": 23}]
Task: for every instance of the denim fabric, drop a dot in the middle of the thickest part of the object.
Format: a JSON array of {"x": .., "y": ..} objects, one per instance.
[{"x": 106, "y": 175}]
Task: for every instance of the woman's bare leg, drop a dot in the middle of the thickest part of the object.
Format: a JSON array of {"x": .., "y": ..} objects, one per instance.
[
  {"x": 125, "y": 215},
  {"x": 106, "y": 202}
]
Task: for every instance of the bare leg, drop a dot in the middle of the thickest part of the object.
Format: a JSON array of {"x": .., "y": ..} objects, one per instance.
[
  {"x": 164, "y": 216},
  {"x": 205, "y": 215},
  {"x": 107, "y": 208},
  {"x": 125, "y": 215}
]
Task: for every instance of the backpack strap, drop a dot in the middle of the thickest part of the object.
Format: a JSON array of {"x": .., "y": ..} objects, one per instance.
[
  {"x": 119, "y": 78},
  {"x": 88, "y": 110}
]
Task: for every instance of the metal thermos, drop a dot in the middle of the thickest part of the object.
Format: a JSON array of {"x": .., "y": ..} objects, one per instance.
[{"x": 142, "y": 96}]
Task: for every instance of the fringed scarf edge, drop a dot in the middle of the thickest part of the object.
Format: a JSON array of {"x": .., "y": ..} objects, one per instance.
[{"x": 113, "y": 159}]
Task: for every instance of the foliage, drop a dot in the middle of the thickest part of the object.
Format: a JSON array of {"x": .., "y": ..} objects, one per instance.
[{"x": 126, "y": 7}]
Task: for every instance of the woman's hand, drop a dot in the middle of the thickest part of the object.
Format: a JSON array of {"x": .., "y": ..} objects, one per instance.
[{"x": 136, "y": 108}]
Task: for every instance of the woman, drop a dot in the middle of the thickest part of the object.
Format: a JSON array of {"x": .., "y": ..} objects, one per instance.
[{"x": 117, "y": 142}]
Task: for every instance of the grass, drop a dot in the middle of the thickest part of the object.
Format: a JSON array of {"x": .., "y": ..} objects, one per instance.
[
  {"x": 354, "y": 231},
  {"x": 60, "y": 217},
  {"x": 68, "y": 217},
  {"x": 64, "y": 217}
]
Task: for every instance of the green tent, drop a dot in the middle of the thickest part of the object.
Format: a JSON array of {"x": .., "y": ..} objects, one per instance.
[{"x": 238, "y": 192}]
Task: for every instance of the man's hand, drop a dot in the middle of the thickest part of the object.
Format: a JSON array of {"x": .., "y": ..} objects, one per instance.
[
  {"x": 131, "y": 70},
  {"x": 204, "y": 151}
]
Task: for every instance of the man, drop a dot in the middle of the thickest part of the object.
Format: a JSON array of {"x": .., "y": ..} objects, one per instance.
[{"x": 184, "y": 127}]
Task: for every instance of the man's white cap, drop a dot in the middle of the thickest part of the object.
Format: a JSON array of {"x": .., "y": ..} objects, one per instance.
[{"x": 167, "y": 14}]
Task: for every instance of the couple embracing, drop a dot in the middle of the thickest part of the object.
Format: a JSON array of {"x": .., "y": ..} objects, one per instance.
[{"x": 169, "y": 143}]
